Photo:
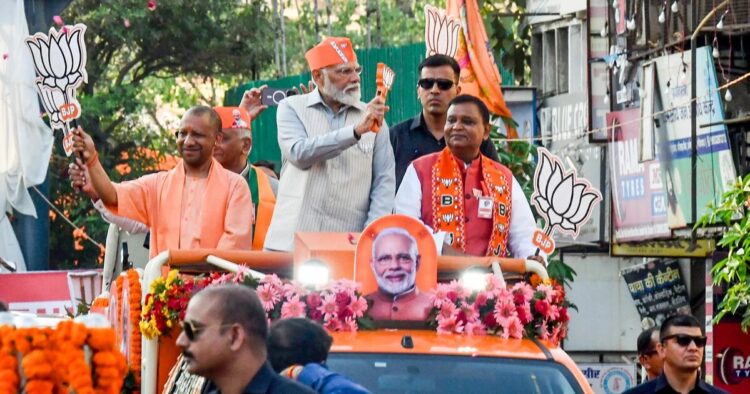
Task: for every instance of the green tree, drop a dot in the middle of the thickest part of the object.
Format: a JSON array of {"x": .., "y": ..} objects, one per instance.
[
  {"x": 138, "y": 60},
  {"x": 732, "y": 271}
]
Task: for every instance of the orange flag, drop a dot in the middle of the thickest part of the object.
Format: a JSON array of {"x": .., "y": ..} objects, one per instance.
[{"x": 479, "y": 74}]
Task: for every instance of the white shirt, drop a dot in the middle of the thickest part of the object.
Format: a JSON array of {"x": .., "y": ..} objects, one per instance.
[
  {"x": 522, "y": 225},
  {"x": 127, "y": 224}
]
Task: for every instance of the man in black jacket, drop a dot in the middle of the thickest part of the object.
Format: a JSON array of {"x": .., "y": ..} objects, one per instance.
[
  {"x": 682, "y": 344},
  {"x": 423, "y": 134},
  {"x": 224, "y": 340}
]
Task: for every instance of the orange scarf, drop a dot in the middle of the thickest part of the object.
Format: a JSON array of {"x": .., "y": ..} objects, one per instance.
[{"x": 448, "y": 202}]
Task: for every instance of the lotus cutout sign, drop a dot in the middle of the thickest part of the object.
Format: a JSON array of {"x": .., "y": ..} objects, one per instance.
[
  {"x": 441, "y": 32},
  {"x": 563, "y": 199},
  {"x": 60, "y": 63}
]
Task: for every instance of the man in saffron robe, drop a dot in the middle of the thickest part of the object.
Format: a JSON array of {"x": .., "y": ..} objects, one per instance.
[
  {"x": 232, "y": 152},
  {"x": 197, "y": 204},
  {"x": 474, "y": 204}
]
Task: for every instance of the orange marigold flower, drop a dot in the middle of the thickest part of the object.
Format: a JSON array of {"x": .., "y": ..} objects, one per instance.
[{"x": 101, "y": 339}]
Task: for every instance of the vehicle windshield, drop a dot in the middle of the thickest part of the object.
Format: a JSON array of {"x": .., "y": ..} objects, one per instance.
[{"x": 408, "y": 373}]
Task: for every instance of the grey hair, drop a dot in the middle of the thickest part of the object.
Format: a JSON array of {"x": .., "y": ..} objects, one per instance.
[{"x": 413, "y": 249}]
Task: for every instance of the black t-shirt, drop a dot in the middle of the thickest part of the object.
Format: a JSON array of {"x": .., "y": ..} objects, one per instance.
[
  {"x": 661, "y": 385},
  {"x": 411, "y": 140}
]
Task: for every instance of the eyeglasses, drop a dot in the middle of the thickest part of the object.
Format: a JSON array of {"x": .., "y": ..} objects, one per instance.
[
  {"x": 192, "y": 332},
  {"x": 684, "y": 340},
  {"x": 428, "y": 83},
  {"x": 348, "y": 71}
]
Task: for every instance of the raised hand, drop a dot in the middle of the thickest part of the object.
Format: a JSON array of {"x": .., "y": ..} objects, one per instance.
[
  {"x": 374, "y": 114},
  {"x": 251, "y": 102}
]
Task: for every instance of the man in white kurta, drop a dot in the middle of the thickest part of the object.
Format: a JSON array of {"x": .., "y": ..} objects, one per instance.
[{"x": 337, "y": 175}]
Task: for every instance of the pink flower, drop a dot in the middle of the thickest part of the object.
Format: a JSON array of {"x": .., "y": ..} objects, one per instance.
[
  {"x": 447, "y": 310},
  {"x": 504, "y": 295},
  {"x": 494, "y": 283},
  {"x": 292, "y": 289},
  {"x": 58, "y": 20},
  {"x": 522, "y": 292},
  {"x": 553, "y": 313},
  {"x": 548, "y": 293},
  {"x": 513, "y": 328},
  {"x": 343, "y": 299},
  {"x": 470, "y": 313},
  {"x": 126, "y": 22},
  {"x": 542, "y": 307},
  {"x": 358, "y": 306},
  {"x": 272, "y": 280},
  {"x": 448, "y": 326},
  {"x": 314, "y": 300},
  {"x": 459, "y": 289},
  {"x": 328, "y": 308},
  {"x": 475, "y": 328},
  {"x": 350, "y": 324},
  {"x": 293, "y": 308},
  {"x": 332, "y": 324},
  {"x": 543, "y": 330},
  {"x": 151, "y": 5},
  {"x": 440, "y": 296},
  {"x": 268, "y": 296},
  {"x": 489, "y": 321},
  {"x": 564, "y": 317},
  {"x": 482, "y": 298},
  {"x": 504, "y": 310},
  {"x": 524, "y": 313}
]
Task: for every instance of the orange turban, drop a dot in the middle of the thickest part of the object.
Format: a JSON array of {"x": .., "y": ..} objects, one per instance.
[
  {"x": 233, "y": 118},
  {"x": 332, "y": 51}
]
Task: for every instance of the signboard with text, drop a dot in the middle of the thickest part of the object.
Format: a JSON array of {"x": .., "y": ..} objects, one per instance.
[
  {"x": 639, "y": 205},
  {"x": 658, "y": 289},
  {"x": 609, "y": 378},
  {"x": 731, "y": 357},
  {"x": 715, "y": 166}
]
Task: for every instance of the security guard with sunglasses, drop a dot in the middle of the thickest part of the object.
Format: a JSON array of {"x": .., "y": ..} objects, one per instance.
[
  {"x": 682, "y": 343},
  {"x": 423, "y": 134}
]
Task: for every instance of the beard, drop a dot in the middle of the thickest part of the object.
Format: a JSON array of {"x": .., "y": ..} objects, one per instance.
[
  {"x": 397, "y": 288},
  {"x": 349, "y": 95}
]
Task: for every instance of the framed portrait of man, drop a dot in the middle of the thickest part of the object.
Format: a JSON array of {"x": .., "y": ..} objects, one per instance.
[{"x": 396, "y": 262}]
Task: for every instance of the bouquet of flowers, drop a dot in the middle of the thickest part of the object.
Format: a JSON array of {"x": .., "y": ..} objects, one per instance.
[
  {"x": 339, "y": 306},
  {"x": 516, "y": 312}
]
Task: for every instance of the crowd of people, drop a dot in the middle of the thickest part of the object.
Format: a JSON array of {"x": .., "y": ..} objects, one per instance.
[{"x": 338, "y": 175}]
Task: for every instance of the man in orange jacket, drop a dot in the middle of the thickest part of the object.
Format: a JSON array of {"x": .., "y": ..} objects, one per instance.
[{"x": 232, "y": 152}]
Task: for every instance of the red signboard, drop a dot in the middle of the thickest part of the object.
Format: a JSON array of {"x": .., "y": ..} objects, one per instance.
[
  {"x": 45, "y": 292},
  {"x": 639, "y": 205},
  {"x": 731, "y": 357}
]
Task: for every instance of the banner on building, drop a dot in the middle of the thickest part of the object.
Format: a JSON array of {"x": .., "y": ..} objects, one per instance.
[
  {"x": 715, "y": 166},
  {"x": 639, "y": 206},
  {"x": 609, "y": 378},
  {"x": 673, "y": 247},
  {"x": 731, "y": 357},
  {"x": 658, "y": 289}
]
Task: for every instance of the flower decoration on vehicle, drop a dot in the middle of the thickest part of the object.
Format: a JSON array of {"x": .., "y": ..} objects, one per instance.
[
  {"x": 69, "y": 358},
  {"x": 60, "y": 63},
  {"x": 339, "y": 306},
  {"x": 563, "y": 199},
  {"x": 516, "y": 312}
]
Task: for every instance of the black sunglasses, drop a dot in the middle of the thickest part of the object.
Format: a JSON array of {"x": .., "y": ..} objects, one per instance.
[
  {"x": 428, "y": 83},
  {"x": 684, "y": 340},
  {"x": 192, "y": 332}
]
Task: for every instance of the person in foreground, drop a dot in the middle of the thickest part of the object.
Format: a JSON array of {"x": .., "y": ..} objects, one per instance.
[
  {"x": 298, "y": 349},
  {"x": 682, "y": 343},
  {"x": 197, "y": 204},
  {"x": 648, "y": 353},
  {"x": 474, "y": 204},
  {"x": 224, "y": 340}
]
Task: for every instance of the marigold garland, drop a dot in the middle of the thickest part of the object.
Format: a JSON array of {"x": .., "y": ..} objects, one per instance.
[
  {"x": 54, "y": 360},
  {"x": 134, "y": 308},
  {"x": 116, "y": 314}
]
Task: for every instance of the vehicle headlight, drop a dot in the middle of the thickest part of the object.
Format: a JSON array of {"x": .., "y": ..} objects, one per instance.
[
  {"x": 313, "y": 273},
  {"x": 474, "y": 279}
]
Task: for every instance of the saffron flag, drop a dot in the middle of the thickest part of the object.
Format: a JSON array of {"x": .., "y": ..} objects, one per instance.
[{"x": 479, "y": 74}]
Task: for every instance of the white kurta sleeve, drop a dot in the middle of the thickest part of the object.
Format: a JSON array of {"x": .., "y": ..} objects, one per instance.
[
  {"x": 522, "y": 225},
  {"x": 409, "y": 202},
  {"x": 129, "y": 225}
]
